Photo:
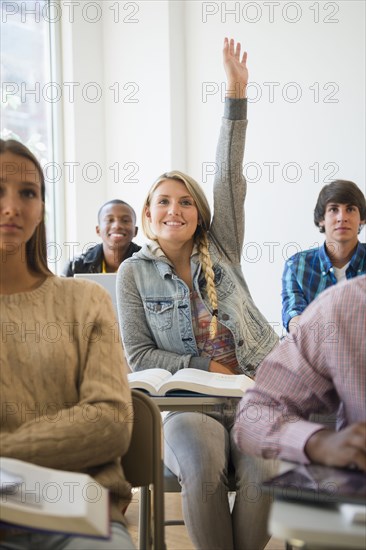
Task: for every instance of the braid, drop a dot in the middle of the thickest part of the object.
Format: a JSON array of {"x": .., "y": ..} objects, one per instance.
[{"x": 208, "y": 272}]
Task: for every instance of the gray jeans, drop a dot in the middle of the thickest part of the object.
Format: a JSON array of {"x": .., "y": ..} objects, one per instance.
[
  {"x": 198, "y": 448},
  {"x": 120, "y": 540}
]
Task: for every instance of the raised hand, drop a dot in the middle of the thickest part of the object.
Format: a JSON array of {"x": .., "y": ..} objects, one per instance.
[{"x": 235, "y": 68}]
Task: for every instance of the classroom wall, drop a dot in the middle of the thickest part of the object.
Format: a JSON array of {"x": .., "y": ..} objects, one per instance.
[{"x": 159, "y": 67}]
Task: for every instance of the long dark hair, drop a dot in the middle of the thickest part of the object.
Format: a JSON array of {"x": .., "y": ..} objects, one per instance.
[{"x": 36, "y": 247}]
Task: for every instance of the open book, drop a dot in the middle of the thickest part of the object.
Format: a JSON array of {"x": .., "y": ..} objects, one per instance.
[
  {"x": 162, "y": 382},
  {"x": 44, "y": 499}
]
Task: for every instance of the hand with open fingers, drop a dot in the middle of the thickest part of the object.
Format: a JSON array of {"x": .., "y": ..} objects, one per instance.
[
  {"x": 346, "y": 448},
  {"x": 236, "y": 70}
]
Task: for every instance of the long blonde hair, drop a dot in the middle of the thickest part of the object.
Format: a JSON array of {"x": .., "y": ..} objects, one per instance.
[{"x": 200, "y": 236}]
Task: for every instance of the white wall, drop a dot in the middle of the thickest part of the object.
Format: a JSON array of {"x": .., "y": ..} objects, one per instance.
[
  {"x": 165, "y": 58},
  {"x": 84, "y": 143}
]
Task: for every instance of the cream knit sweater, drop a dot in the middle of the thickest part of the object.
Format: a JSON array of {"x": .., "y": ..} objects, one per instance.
[{"x": 65, "y": 401}]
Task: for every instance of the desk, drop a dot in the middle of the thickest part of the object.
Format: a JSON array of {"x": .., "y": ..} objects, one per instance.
[
  {"x": 189, "y": 403},
  {"x": 317, "y": 527}
]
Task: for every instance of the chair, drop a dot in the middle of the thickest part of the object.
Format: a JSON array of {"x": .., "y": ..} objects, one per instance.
[
  {"x": 171, "y": 485},
  {"x": 143, "y": 467}
]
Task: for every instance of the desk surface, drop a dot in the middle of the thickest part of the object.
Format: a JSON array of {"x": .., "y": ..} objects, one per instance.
[
  {"x": 201, "y": 403},
  {"x": 315, "y": 526}
]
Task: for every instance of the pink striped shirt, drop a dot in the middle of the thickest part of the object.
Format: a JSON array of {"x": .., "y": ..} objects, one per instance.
[{"x": 315, "y": 371}]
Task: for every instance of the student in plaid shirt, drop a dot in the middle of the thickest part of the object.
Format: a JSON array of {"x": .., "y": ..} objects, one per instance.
[
  {"x": 318, "y": 369},
  {"x": 340, "y": 213}
]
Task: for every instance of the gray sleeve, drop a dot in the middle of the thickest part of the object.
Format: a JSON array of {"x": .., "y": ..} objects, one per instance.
[
  {"x": 140, "y": 347},
  {"x": 235, "y": 109},
  {"x": 230, "y": 186},
  {"x": 202, "y": 363}
]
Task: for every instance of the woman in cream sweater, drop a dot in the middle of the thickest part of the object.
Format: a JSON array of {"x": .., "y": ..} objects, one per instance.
[{"x": 64, "y": 390}]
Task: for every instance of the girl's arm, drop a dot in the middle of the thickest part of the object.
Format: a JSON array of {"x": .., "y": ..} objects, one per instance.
[{"x": 227, "y": 225}]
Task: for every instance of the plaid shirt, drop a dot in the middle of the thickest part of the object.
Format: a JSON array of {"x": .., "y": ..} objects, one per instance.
[
  {"x": 315, "y": 371},
  {"x": 308, "y": 273}
]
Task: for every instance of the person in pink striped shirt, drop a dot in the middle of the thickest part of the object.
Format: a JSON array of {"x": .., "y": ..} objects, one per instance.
[{"x": 318, "y": 371}]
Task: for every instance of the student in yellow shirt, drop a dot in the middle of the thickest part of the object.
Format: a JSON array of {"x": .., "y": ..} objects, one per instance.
[{"x": 116, "y": 227}]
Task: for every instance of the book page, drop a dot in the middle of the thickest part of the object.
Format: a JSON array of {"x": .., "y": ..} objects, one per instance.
[
  {"x": 210, "y": 383},
  {"x": 55, "y": 500},
  {"x": 9, "y": 481},
  {"x": 150, "y": 380}
]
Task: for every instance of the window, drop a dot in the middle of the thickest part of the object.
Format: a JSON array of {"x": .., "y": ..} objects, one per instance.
[{"x": 29, "y": 107}]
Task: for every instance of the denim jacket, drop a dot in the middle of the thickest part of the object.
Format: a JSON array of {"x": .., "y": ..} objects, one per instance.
[{"x": 154, "y": 303}]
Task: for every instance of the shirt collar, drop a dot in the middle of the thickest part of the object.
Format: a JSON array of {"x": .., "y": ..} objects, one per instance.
[
  {"x": 94, "y": 254},
  {"x": 356, "y": 262},
  {"x": 164, "y": 267},
  {"x": 326, "y": 264},
  {"x": 358, "y": 259}
]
